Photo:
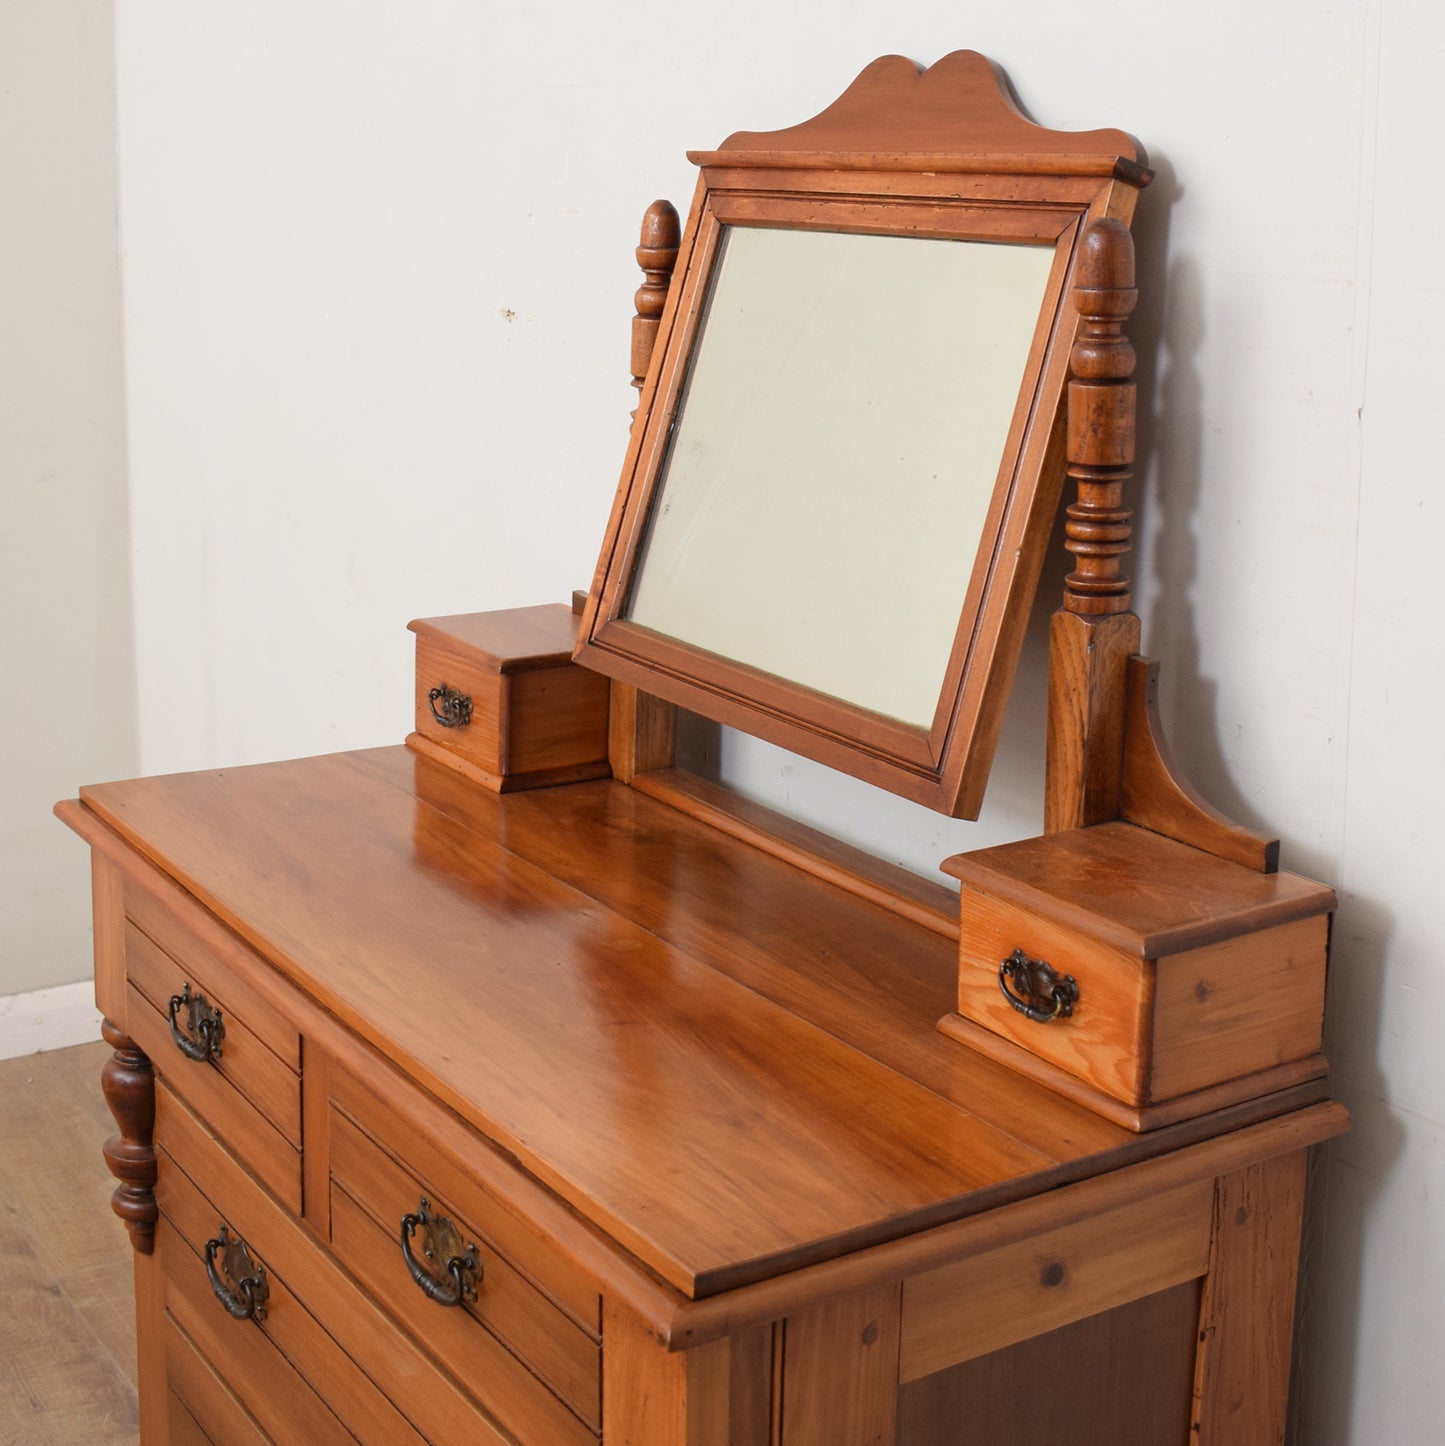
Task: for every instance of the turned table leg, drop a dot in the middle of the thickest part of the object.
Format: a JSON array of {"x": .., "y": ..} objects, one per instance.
[{"x": 130, "y": 1090}]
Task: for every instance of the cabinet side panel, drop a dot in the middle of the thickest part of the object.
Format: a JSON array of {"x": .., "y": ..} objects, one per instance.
[
  {"x": 1114, "y": 1379},
  {"x": 1246, "y": 1318}
]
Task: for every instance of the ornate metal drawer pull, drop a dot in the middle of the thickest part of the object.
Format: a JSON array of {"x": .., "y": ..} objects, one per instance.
[
  {"x": 245, "y": 1296},
  {"x": 1042, "y": 994},
  {"x": 456, "y": 707},
  {"x": 204, "y": 1028},
  {"x": 452, "y": 1270}
]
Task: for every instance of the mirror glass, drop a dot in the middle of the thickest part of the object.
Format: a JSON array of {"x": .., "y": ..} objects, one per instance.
[{"x": 834, "y": 457}]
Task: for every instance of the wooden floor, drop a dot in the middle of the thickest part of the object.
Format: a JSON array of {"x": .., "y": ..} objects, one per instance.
[{"x": 67, "y": 1334}]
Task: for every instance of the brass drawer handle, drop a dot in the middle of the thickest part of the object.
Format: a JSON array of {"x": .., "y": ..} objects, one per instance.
[
  {"x": 455, "y": 1279},
  {"x": 456, "y": 706},
  {"x": 1043, "y": 994},
  {"x": 204, "y": 1029},
  {"x": 245, "y": 1296}
]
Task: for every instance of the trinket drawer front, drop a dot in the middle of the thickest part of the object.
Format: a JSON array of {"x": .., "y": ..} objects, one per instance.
[{"x": 334, "y": 1243}]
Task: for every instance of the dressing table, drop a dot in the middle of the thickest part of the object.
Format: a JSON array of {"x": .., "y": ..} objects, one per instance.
[{"x": 517, "y": 1085}]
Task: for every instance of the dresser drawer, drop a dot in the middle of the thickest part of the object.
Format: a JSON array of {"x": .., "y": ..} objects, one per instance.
[
  {"x": 208, "y": 1036},
  {"x": 195, "y": 1393},
  {"x": 359, "y": 1343},
  {"x": 300, "y": 1385},
  {"x": 505, "y": 1341}
]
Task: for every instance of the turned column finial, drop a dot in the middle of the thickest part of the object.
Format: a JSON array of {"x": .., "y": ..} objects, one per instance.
[
  {"x": 129, "y": 1084},
  {"x": 656, "y": 255},
  {"x": 1101, "y": 421}
]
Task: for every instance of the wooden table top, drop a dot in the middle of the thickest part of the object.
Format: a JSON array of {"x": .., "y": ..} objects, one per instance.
[{"x": 729, "y": 1066}]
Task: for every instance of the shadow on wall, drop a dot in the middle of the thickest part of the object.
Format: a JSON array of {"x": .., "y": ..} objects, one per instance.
[{"x": 1340, "y": 1207}]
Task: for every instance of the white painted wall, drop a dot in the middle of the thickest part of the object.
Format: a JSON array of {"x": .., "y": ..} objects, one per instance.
[
  {"x": 378, "y": 277},
  {"x": 67, "y": 679}
]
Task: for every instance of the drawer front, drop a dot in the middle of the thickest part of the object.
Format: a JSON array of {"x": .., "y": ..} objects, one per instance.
[
  {"x": 533, "y": 725},
  {"x": 271, "y": 1156},
  {"x": 1105, "y": 1040},
  {"x": 347, "y": 1350},
  {"x": 273, "y": 1358},
  {"x": 245, "y": 1077},
  {"x": 479, "y": 738},
  {"x": 509, "y": 1346},
  {"x": 195, "y": 1393}
]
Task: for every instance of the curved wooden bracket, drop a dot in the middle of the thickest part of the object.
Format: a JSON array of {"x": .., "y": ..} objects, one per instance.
[
  {"x": 129, "y": 1084},
  {"x": 1155, "y": 797}
]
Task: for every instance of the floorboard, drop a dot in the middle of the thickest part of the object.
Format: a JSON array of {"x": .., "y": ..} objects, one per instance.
[{"x": 67, "y": 1333}]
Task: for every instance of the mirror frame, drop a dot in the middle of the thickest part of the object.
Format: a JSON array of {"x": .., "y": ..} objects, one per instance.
[{"x": 940, "y": 153}]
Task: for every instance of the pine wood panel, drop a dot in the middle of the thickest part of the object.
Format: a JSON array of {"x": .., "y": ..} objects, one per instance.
[
  {"x": 428, "y": 1398},
  {"x": 655, "y": 1397},
  {"x": 1238, "y": 1006},
  {"x": 841, "y": 1370},
  {"x": 729, "y": 1106},
  {"x": 473, "y": 1356},
  {"x": 265, "y": 1080},
  {"x": 817, "y": 950},
  {"x": 279, "y": 1398},
  {"x": 507, "y": 1303},
  {"x": 1049, "y": 1279},
  {"x": 196, "y": 1393},
  {"x": 1246, "y": 1317},
  {"x": 362, "y": 1409},
  {"x": 1117, "y": 1379},
  {"x": 247, "y": 1131},
  {"x": 1105, "y": 1041},
  {"x": 459, "y": 1165}
]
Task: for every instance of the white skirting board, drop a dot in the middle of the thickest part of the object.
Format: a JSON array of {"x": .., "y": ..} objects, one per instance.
[{"x": 48, "y": 1019}]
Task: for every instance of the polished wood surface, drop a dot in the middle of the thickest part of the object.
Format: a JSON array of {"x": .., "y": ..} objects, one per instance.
[{"x": 534, "y": 719}]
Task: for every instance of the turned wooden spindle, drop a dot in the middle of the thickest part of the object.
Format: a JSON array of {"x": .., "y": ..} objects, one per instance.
[
  {"x": 129, "y": 1085},
  {"x": 642, "y": 729},
  {"x": 656, "y": 255},
  {"x": 1094, "y": 634},
  {"x": 1101, "y": 421}
]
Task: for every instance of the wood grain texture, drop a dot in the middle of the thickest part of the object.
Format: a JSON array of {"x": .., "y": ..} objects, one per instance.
[
  {"x": 840, "y": 1361},
  {"x": 427, "y": 1397},
  {"x": 1238, "y": 1007},
  {"x": 1137, "y": 890},
  {"x": 375, "y": 1193},
  {"x": 1155, "y": 795},
  {"x": 656, "y": 255},
  {"x": 762, "y": 1107},
  {"x": 1117, "y": 1379},
  {"x": 275, "y": 1393},
  {"x": 128, "y": 1083},
  {"x": 196, "y": 1393},
  {"x": 1084, "y": 760},
  {"x": 107, "y": 898},
  {"x": 958, "y": 112},
  {"x": 288, "y": 1327},
  {"x": 654, "y": 1397},
  {"x": 1272, "y": 1091},
  {"x": 641, "y": 732},
  {"x": 276, "y": 1161},
  {"x": 536, "y": 719},
  {"x": 316, "y": 1139},
  {"x": 1246, "y": 1318},
  {"x": 246, "y": 1064},
  {"x": 1050, "y": 1279}
]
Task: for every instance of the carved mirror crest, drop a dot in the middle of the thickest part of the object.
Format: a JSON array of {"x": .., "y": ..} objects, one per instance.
[{"x": 846, "y": 459}]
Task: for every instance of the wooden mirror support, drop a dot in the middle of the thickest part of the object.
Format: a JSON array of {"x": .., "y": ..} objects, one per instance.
[{"x": 908, "y": 157}]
